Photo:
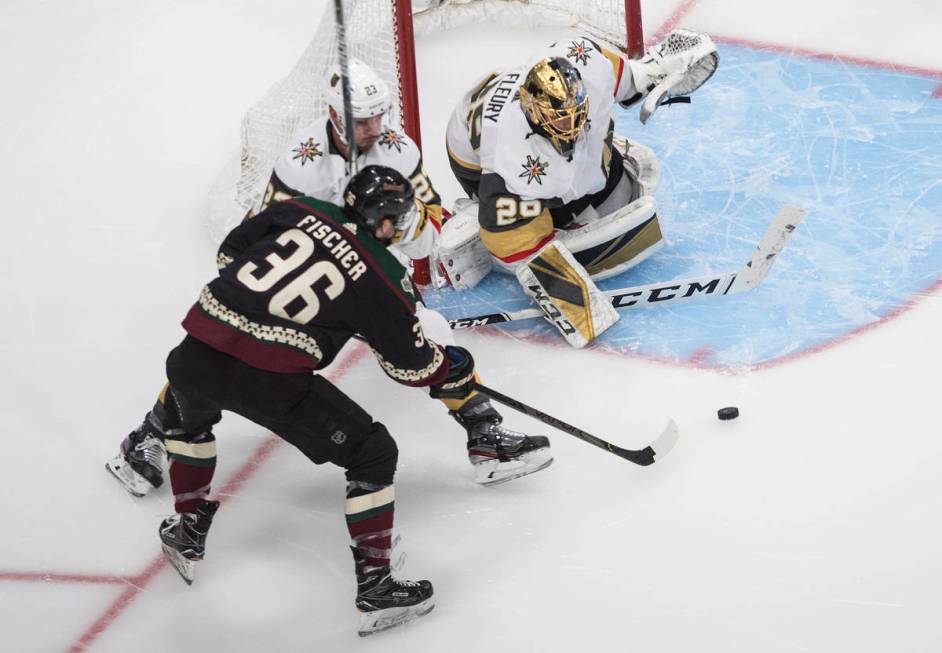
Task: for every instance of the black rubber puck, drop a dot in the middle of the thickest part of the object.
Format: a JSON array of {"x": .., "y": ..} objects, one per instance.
[{"x": 730, "y": 412}]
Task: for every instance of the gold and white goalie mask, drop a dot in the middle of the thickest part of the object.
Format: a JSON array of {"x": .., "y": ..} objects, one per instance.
[
  {"x": 555, "y": 102},
  {"x": 503, "y": 124}
]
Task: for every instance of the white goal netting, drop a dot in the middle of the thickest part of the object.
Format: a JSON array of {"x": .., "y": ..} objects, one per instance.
[{"x": 374, "y": 35}]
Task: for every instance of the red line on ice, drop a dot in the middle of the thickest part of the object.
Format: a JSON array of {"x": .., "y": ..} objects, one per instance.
[
  {"x": 676, "y": 18},
  {"x": 137, "y": 584},
  {"x": 673, "y": 20},
  {"x": 832, "y": 56},
  {"x": 54, "y": 577}
]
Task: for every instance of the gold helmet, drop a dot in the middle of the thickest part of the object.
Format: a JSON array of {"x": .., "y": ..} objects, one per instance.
[{"x": 554, "y": 101}]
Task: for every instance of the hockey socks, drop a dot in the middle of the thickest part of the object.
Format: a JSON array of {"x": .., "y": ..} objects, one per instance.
[
  {"x": 192, "y": 465},
  {"x": 369, "y": 509}
]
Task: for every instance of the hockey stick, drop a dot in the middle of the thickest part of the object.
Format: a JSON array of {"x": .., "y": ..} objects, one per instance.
[
  {"x": 745, "y": 278},
  {"x": 647, "y": 456},
  {"x": 349, "y": 126}
]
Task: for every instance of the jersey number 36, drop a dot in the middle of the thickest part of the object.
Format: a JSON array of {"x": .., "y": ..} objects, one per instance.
[{"x": 301, "y": 287}]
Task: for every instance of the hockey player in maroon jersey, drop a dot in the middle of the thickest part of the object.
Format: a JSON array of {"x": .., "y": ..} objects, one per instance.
[
  {"x": 314, "y": 165},
  {"x": 296, "y": 283}
]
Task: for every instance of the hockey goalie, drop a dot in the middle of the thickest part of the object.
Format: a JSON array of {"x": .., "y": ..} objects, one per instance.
[{"x": 556, "y": 196}]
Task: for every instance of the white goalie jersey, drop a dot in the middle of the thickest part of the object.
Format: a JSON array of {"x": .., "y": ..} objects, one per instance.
[{"x": 489, "y": 132}]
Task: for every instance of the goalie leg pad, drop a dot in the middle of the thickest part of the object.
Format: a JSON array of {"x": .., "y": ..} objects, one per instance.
[
  {"x": 461, "y": 252},
  {"x": 618, "y": 241},
  {"x": 566, "y": 295}
]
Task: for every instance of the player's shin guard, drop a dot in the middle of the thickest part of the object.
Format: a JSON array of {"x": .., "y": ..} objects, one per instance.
[
  {"x": 567, "y": 296},
  {"x": 383, "y": 601}
]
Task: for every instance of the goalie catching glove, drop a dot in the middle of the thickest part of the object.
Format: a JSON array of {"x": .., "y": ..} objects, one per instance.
[
  {"x": 677, "y": 66},
  {"x": 461, "y": 375}
]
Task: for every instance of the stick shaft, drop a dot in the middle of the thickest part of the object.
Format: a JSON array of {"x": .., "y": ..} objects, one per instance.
[
  {"x": 745, "y": 278},
  {"x": 643, "y": 457}
]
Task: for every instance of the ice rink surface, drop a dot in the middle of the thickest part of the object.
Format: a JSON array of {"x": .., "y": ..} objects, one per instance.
[{"x": 809, "y": 524}]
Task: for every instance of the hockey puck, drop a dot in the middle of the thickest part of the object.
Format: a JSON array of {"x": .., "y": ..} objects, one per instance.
[{"x": 730, "y": 412}]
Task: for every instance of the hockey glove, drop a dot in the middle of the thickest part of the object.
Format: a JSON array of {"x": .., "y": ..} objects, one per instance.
[{"x": 461, "y": 376}]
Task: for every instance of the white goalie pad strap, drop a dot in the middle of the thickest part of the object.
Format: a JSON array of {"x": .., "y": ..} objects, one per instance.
[
  {"x": 566, "y": 295},
  {"x": 678, "y": 65},
  {"x": 609, "y": 245},
  {"x": 640, "y": 162},
  {"x": 461, "y": 252}
]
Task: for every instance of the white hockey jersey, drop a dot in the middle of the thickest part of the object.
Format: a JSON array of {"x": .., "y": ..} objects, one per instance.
[
  {"x": 488, "y": 130},
  {"x": 311, "y": 165}
]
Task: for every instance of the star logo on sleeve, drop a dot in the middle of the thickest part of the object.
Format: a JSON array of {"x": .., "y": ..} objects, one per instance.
[
  {"x": 306, "y": 151},
  {"x": 579, "y": 51},
  {"x": 534, "y": 169},
  {"x": 392, "y": 139}
]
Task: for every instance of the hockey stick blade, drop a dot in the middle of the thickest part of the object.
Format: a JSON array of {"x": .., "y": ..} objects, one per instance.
[
  {"x": 644, "y": 457},
  {"x": 745, "y": 278}
]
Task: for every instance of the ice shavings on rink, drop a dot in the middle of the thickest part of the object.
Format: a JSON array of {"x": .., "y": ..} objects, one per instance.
[{"x": 857, "y": 147}]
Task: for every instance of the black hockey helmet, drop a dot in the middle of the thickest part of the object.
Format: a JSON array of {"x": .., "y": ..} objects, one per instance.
[{"x": 378, "y": 192}]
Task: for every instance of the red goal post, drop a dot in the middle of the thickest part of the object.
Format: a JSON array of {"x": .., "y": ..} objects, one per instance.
[{"x": 382, "y": 33}]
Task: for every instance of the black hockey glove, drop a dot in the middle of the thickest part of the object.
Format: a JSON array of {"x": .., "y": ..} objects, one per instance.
[{"x": 460, "y": 380}]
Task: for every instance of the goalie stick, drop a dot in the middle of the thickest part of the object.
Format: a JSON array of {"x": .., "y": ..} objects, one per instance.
[
  {"x": 745, "y": 278},
  {"x": 647, "y": 456}
]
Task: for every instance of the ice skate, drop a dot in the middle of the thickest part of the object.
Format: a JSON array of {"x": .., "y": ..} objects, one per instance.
[
  {"x": 139, "y": 464},
  {"x": 385, "y": 602},
  {"x": 498, "y": 453},
  {"x": 183, "y": 538}
]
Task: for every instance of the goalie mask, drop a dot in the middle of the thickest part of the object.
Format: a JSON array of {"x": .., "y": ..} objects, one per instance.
[
  {"x": 553, "y": 98},
  {"x": 376, "y": 193},
  {"x": 369, "y": 93}
]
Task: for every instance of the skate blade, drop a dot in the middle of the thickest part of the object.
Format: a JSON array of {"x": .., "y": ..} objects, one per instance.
[
  {"x": 379, "y": 620},
  {"x": 493, "y": 472},
  {"x": 131, "y": 480},
  {"x": 184, "y": 566}
]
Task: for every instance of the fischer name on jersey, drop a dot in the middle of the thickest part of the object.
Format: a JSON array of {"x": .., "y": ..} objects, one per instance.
[{"x": 297, "y": 282}]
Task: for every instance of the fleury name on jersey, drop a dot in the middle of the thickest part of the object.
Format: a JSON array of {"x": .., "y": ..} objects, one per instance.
[{"x": 556, "y": 196}]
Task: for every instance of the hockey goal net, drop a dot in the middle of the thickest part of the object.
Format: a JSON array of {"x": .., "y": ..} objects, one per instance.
[{"x": 382, "y": 34}]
